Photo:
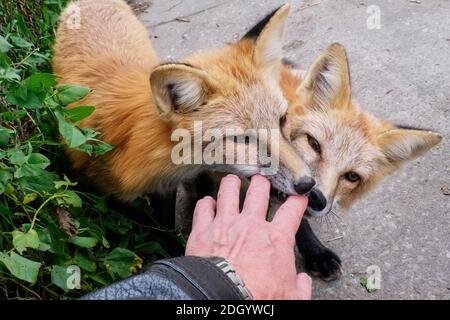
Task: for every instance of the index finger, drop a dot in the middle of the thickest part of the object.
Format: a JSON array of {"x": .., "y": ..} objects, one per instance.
[{"x": 289, "y": 215}]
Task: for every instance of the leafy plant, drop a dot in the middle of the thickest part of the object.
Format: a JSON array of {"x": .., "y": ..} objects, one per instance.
[{"x": 48, "y": 221}]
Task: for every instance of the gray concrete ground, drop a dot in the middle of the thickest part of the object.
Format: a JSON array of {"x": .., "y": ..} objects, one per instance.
[{"x": 400, "y": 71}]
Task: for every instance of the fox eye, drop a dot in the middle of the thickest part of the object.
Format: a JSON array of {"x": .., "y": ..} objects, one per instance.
[
  {"x": 352, "y": 176},
  {"x": 315, "y": 145},
  {"x": 282, "y": 121}
]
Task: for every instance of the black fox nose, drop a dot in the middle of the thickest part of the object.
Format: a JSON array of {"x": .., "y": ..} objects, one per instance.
[
  {"x": 317, "y": 201},
  {"x": 304, "y": 185}
]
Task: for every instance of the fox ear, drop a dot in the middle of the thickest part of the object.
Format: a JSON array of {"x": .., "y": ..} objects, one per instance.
[
  {"x": 327, "y": 82},
  {"x": 179, "y": 88},
  {"x": 400, "y": 145},
  {"x": 268, "y": 37}
]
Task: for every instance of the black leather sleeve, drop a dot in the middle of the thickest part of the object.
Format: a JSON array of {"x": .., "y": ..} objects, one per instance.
[{"x": 183, "y": 278}]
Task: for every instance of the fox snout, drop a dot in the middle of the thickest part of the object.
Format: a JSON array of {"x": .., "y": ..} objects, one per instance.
[
  {"x": 317, "y": 200},
  {"x": 304, "y": 185},
  {"x": 302, "y": 180}
]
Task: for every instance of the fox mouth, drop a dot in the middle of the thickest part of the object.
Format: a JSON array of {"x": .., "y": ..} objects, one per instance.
[
  {"x": 282, "y": 197},
  {"x": 317, "y": 214}
]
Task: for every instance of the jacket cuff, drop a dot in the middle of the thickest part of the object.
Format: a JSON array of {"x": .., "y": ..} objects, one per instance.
[
  {"x": 200, "y": 278},
  {"x": 180, "y": 278}
]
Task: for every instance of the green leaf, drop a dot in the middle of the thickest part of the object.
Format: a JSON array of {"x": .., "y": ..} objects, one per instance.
[
  {"x": 23, "y": 26},
  {"x": 30, "y": 101},
  {"x": 57, "y": 239},
  {"x": 16, "y": 156},
  {"x": 68, "y": 93},
  {"x": 84, "y": 263},
  {"x": 59, "y": 277},
  {"x": 22, "y": 241},
  {"x": 38, "y": 160},
  {"x": 19, "y": 42},
  {"x": 86, "y": 148},
  {"x": 44, "y": 239},
  {"x": 79, "y": 113},
  {"x": 29, "y": 170},
  {"x": 39, "y": 81},
  {"x": 102, "y": 148},
  {"x": 84, "y": 242},
  {"x": 9, "y": 73},
  {"x": 105, "y": 243},
  {"x": 20, "y": 95},
  {"x": 369, "y": 285},
  {"x": 72, "y": 135},
  {"x": 42, "y": 182},
  {"x": 5, "y": 177},
  {"x": 37, "y": 59},
  {"x": 20, "y": 267},
  {"x": 5, "y": 134},
  {"x": 101, "y": 204},
  {"x": 64, "y": 183},
  {"x": 20, "y": 90},
  {"x": 14, "y": 116},
  {"x": 30, "y": 197},
  {"x": 99, "y": 279},
  {"x": 120, "y": 262},
  {"x": 4, "y": 44},
  {"x": 90, "y": 133},
  {"x": 69, "y": 198},
  {"x": 34, "y": 166},
  {"x": 122, "y": 226}
]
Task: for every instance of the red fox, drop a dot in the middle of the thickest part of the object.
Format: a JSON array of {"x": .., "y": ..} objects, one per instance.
[
  {"x": 140, "y": 102},
  {"x": 348, "y": 149}
]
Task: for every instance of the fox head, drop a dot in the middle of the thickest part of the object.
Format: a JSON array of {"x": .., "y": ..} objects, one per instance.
[
  {"x": 236, "y": 87},
  {"x": 347, "y": 149}
]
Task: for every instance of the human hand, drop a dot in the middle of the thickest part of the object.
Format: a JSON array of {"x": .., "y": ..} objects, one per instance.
[{"x": 261, "y": 252}]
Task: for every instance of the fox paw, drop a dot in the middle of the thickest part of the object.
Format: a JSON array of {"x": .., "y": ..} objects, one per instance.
[{"x": 324, "y": 264}]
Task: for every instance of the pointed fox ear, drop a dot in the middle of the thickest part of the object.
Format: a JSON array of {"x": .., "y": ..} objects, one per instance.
[
  {"x": 268, "y": 37},
  {"x": 179, "y": 88},
  {"x": 327, "y": 82},
  {"x": 404, "y": 144}
]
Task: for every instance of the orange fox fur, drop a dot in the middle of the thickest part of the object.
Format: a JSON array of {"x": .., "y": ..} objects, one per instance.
[{"x": 111, "y": 53}]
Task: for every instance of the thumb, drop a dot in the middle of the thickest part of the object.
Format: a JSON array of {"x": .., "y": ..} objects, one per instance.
[{"x": 304, "y": 286}]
